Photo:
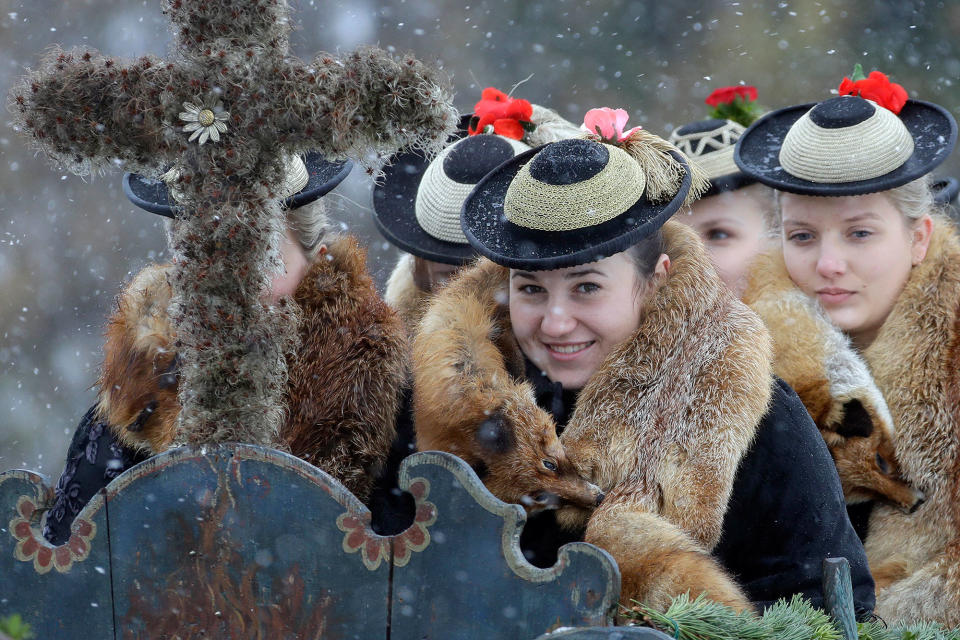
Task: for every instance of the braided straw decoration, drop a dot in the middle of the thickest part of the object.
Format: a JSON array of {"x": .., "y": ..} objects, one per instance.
[
  {"x": 439, "y": 198},
  {"x": 564, "y": 207},
  {"x": 712, "y": 150},
  {"x": 295, "y": 178},
  {"x": 872, "y": 148}
]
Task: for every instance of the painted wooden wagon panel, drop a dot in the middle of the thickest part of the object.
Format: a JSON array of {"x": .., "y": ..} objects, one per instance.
[{"x": 239, "y": 541}]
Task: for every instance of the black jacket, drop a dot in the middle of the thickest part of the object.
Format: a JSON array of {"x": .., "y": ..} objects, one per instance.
[{"x": 785, "y": 515}]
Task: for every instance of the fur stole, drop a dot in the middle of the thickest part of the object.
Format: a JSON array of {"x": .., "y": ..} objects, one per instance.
[
  {"x": 404, "y": 296},
  {"x": 661, "y": 427},
  {"x": 833, "y": 381},
  {"x": 344, "y": 379},
  {"x": 915, "y": 360}
]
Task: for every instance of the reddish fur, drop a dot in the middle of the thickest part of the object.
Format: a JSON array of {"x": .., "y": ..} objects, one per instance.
[{"x": 344, "y": 380}]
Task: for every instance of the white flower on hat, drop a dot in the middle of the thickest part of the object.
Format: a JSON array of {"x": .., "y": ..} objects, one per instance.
[{"x": 204, "y": 122}]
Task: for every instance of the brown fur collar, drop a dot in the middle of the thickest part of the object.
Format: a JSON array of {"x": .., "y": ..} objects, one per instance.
[
  {"x": 661, "y": 427},
  {"x": 344, "y": 379},
  {"x": 915, "y": 360},
  {"x": 833, "y": 381},
  {"x": 404, "y": 296}
]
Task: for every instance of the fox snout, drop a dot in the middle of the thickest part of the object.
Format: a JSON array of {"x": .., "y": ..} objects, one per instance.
[{"x": 584, "y": 495}]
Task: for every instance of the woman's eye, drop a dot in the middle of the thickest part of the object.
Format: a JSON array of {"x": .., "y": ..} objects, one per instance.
[
  {"x": 530, "y": 289},
  {"x": 718, "y": 234},
  {"x": 800, "y": 236},
  {"x": 550, "y": 465},
  {"x": 861, "y": 233},
  {"x": 587, "y": 287}
]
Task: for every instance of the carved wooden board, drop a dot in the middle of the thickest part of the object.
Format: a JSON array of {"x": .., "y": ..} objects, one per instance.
[{"x": 239, "y": 541}]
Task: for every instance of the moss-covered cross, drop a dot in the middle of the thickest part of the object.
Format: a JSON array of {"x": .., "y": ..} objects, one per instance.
[{"x": 245, "y": 102}]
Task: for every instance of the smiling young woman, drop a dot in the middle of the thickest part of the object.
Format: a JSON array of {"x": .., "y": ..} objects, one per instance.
[
  {"x": 865, "y": 253},
  {"x": 596, "y": 318}
]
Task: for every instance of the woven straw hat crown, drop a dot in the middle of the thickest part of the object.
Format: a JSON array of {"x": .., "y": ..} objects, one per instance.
[
  {"x": 450, "y": 178},
  {"x": 873, "y": 141},
  {"x": 709, "y": 144},
  {"x": 547, "y": 196}
]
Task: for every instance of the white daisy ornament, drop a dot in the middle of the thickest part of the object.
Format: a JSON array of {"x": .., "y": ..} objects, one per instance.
[{"x": 203, "y": 122}]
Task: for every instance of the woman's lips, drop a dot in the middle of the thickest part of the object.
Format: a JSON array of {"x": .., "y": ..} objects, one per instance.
[
  {"x": 833, "y": 295},
  {"x": 568, "y": 350}
]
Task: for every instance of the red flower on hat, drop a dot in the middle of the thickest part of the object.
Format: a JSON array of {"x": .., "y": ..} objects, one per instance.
[
  {"x": 876, "y": 87},
  {"x": 727, "y": 95},
  {"x": 498, "y": 113}
]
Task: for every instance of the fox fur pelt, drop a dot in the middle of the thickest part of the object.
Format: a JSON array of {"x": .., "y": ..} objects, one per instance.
[
  {"x": 660, "y": 428},
  {"x": 344, "y": 379},
  {"x": 404, "y": 296},
  {"x": 834, "y": 383}
]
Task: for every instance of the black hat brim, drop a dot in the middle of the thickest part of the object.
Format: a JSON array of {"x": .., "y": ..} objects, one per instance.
[
  {"x": 510, "y": 245},
  {"x": 945, "y": 190},
  {"x": 394, "y": 208},
  {"x": 153, "y": 195},
  {"x": 757, "y": 153},
  {"x": 729, "y": 182}
]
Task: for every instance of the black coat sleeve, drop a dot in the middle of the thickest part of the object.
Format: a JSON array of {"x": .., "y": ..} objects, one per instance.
[
  {"x": 391, "y": 508},
  {"x": 787, "y": 513},
  {"x": 95, "y": 457}
]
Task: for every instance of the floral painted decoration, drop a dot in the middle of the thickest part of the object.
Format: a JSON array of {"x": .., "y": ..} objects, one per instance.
[
  {"x": 204, "y": 122},
  {"x": 498, "y": 113},
  {"x": 374, "y": 548},
  {"x": 607, "y": 124},
  {"x": 31, "y": 547},
  {"x": 737, "y": 103},
  {"x": 875, "y": 87}
]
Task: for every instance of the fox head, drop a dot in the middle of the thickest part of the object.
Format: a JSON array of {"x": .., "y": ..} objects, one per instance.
[
  {"x": 523, "y": 461},
  {"x": 863, "y": 450}
]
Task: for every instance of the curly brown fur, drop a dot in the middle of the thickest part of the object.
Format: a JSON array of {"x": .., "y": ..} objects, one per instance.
[
  {"x": 835, "y": 385},
  {"x": 665, "y": 448},
  {"x": 343, "y": 388},
  {"x": 915, "y": 360},
  {"x": 344, "y": 380}
]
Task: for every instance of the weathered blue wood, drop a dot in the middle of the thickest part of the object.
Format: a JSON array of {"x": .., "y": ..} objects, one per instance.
[
  {"x": 608, "y": 633},
  {"x": 838, "y": 595},
  {"x": 239, "y": 541},
  {"x": 62, "y": 592},
  {"x": 472, "y": 580}
]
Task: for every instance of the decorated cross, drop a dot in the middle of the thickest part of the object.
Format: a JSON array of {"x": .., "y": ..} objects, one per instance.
[{"x": 224, "y": 110}]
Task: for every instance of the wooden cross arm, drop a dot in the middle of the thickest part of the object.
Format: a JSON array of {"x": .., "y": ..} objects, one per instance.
[
  {"x": 368, "y": 102},
  {"x": 87, "y": 111}
]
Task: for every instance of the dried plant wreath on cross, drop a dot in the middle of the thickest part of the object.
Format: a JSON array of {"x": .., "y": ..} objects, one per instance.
[{"x": 223, "y": 110}]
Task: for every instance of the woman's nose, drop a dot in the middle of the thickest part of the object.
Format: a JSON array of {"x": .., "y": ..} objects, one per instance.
[
  {"x": 557, "y": 321},
  {"x": 830, "y": 262}
]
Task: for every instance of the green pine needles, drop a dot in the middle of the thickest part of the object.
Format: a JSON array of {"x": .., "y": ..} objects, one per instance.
[
  {"x": 15, "y": 628},
  {"x": 703, "y": 619}
]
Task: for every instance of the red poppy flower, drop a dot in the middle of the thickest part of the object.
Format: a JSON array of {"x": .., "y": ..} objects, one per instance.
[
  {"x": 505, "y": 114},
  {"x": 726, "y": 95},
  {"x": 878, "y": 88}
]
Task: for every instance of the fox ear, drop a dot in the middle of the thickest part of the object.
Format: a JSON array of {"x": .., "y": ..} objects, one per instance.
[
  {"x": 495, "y": 435},
  {"x": 856, "y": 421}
]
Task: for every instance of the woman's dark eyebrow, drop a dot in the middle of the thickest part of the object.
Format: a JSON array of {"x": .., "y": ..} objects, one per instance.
[
  {"x": 523, "y": 274},
  {"x": 583, "y": 272}
]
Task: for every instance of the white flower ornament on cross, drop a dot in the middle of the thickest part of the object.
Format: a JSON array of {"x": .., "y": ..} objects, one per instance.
[{"x": 204, "y": 122}]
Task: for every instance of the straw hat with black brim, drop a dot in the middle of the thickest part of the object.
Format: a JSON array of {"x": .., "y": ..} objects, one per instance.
[
  {"x": 308, "y": 179},
  {"x": 945, "y": 190},
  {"x": 845, "y": 146},
  {"x": 565, "y": 204},
  {"x": 417, "y": 205}
]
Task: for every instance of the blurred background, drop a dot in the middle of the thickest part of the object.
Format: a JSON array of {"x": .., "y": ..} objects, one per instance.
[{"x": 68, "y": 244}]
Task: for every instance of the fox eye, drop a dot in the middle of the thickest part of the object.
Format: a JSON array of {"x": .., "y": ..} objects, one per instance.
[
  {"x": 882, "y": 464},
  {"x": 550, "y": 465}
]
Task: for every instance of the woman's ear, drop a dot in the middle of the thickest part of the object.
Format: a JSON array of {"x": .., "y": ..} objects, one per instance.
[
  {"x": 921, "y": 233},
  {"x": 663, "y": 266}
]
